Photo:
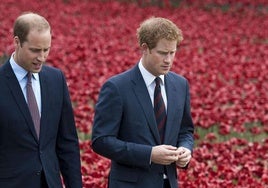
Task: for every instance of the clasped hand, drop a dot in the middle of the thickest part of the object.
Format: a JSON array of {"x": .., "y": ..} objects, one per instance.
[{"x": 167, "y": 154}]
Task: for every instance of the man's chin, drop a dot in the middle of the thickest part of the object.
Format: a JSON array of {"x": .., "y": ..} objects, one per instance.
[{"x": 37, "y": 68}]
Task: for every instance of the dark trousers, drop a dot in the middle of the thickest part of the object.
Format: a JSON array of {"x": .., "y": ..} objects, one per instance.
[
  {"x": 166, "y": 184},
  {"x": 43, "y": 181}
]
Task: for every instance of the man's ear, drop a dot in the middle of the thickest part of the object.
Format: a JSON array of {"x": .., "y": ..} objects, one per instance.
[
  {"x": 144, "y": 48},
  {"x": 17, "y": 41}
]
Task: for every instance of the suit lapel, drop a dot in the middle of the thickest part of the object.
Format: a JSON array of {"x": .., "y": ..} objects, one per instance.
[
  {"x": 145, "y": 102},
  {"x": 18, "y": 96},
  {"x": 44, "y": 101},
  {"x": 171, "y": 93}
]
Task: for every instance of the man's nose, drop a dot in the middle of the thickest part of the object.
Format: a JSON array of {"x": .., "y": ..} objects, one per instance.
[
  {"x": 168, "y": 58},
  {"x": 42, "y": 56}
]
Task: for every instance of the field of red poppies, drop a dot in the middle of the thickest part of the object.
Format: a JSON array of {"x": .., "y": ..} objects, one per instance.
[{"x": 224, "y": 56}]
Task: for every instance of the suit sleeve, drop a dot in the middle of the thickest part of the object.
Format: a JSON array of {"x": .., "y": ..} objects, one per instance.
[
  {"x": 187, "y": 127},
  {"x": 106, "y": 130},
  {"x": 67, "y": 143}
]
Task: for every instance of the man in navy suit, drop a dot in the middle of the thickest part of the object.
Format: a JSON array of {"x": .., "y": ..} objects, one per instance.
[
  {"x": 125, "y": 125},
  {"x": 36, "y": 157}
]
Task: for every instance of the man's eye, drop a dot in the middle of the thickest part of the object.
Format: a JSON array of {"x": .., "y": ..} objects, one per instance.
[
  {"x": 35, "y": 50},
  {"x": 163, "y": 53}
]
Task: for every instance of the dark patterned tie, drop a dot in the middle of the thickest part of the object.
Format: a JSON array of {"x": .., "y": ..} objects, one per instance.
[
  {"x": 159, "y": 109},
  {"x": 32, "y": 104}
]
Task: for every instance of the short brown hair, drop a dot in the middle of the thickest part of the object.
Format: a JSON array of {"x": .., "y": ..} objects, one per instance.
[
  {"x": 29, "y": 21},
  {"x": 156, "y": 28}
]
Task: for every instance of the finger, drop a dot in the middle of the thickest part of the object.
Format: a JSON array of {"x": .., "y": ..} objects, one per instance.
[
  {"x": 169, "y": 147},
  {"x": 182, "y": 164}
]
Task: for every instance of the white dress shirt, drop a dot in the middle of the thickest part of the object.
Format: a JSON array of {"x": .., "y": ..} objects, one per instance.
[
  {"x": 150, "y": 83},
  {"x": 21, "y": 75}
]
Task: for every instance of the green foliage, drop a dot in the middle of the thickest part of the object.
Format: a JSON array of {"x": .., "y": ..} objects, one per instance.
[
  {"x": 3, "y": 59},
  {"x": 247, "y": 134},
  {"x": 83, "y": 136}
]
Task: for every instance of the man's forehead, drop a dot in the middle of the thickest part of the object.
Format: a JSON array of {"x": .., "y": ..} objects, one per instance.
[{"x": 164, "y": 44}]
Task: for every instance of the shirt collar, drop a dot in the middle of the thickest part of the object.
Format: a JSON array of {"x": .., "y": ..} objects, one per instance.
[
  {"x": 148, "y": 77},
  {"x": 19, "y": 71}
]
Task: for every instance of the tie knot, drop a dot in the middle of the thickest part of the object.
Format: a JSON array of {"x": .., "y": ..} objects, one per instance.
[{"x": 157, "y": 81}]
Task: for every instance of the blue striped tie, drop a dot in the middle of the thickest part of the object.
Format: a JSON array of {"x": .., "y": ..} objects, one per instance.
[{"x": 159, "y": 109}]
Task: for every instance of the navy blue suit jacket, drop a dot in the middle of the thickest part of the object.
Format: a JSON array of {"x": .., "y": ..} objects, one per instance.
[
  {"x": 22, "y": 155},
  {"x": 125, "y": 128}
]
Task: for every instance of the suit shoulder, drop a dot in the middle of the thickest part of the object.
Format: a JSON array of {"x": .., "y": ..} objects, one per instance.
[
  {"x": 52, "y": 74},
  {"x": 4, "y": 66},
  {"x": 51, "y": 69},
  {"x": 177, "y": 77},
  {"x": 121, "y": 77}
]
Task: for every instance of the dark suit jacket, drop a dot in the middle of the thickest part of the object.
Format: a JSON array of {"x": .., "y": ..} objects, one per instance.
[
  {"x": 22, "y": 155},
  {"x": 125, "y": 128}
]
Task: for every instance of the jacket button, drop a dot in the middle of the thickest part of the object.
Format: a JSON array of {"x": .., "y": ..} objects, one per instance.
[{"x": 38, "y": 173}]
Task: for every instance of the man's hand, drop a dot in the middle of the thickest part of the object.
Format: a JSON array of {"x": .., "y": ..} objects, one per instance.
[
  {"x": 164, "y": 154},
  {"x": 184, "y": 157}
]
